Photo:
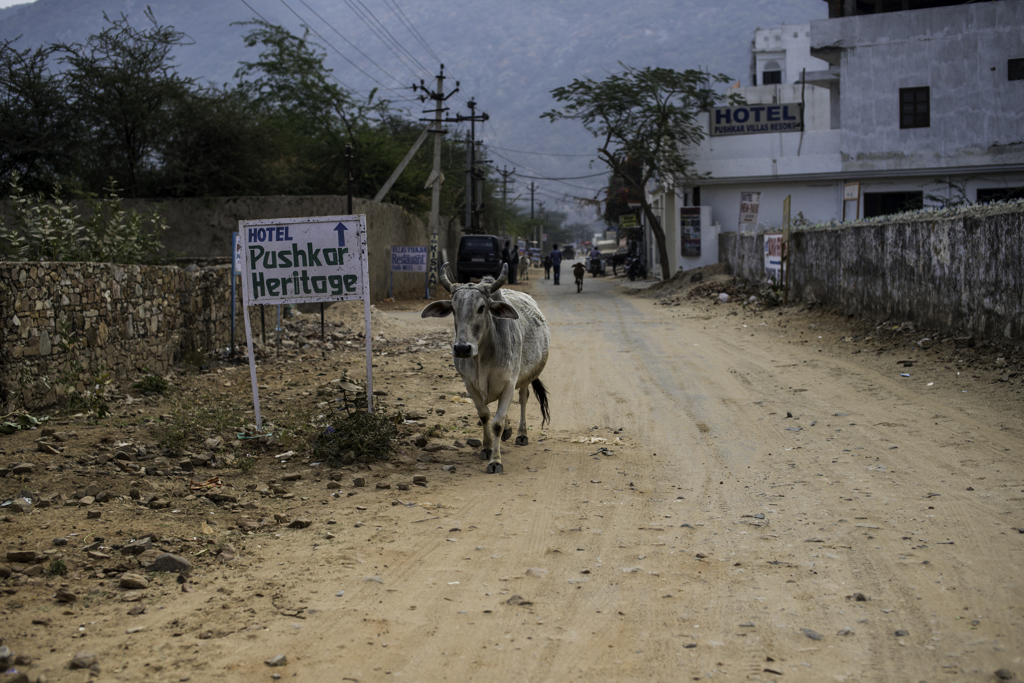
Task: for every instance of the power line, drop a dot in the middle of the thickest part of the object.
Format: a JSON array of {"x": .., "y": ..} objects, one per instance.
[
  {"x": 392, "y": 37},
  {"x": 579, "y": 177},
  {"x": 356, "y": 47},
  {"x": 412, "y": 29},
  {"x": 362, "y": 14},
  {"x": 548, "y": 154},
  {"x": 330, "y": 45}
]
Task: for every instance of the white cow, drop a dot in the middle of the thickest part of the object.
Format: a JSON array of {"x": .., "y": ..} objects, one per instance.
[{"x": 501, "y": 346}]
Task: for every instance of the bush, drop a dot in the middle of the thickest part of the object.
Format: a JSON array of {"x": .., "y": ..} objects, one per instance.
[
  {"x": 369, "y": 435},
  {"x": 48, "y": 229}
]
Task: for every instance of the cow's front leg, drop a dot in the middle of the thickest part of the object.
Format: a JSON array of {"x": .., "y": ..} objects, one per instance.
[
  {"x": 524, "y": 395},
  {"x": 497, "y": 427},
  {"x": 484, "y": 413}
]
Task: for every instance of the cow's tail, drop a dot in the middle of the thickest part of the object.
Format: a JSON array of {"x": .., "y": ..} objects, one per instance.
[{"x": 542, "y": 399}]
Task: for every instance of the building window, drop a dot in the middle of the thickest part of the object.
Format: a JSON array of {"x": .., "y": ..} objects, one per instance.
[
  {"x": 770, "y": 77},
  {"x": 1000, "y": 194},
  {"x": 1015, "y": 69},
  {"x": 914, "y": 108},
  {"x": 885, "y": 203}
]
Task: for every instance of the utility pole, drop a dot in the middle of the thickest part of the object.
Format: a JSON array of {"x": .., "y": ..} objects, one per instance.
[
  {"x": 540, "y": 224},
  {"x": 505, "y": 175},
  {"x": 536, "y": 229},
  {"x": 439, "y": 98},
  {"x": 470, "y": 156}
]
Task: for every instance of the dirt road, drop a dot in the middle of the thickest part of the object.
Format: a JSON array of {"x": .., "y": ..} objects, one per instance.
[{"x": 721, "y": 494}]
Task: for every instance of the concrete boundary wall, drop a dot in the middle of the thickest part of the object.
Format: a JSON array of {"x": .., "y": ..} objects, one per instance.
[
  {"x": 201, "y": 228},
  {"x": 962, "y": 274}
]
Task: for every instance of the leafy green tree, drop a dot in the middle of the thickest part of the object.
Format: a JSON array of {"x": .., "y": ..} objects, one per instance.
[
  {"x": 38, "y": 133},
  {"x": 644, "y": 117},
  {"x": 123, "y": 84}
]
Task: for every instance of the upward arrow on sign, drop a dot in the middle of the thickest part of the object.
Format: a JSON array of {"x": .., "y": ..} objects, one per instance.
[{"x": 340, "y": 229}]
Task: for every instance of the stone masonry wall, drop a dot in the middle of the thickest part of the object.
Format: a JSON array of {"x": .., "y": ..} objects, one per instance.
[{"x": 64, "y": 323}]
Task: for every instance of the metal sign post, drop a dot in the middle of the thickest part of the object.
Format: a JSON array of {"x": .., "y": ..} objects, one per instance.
[{"x": 305, "y": 260}]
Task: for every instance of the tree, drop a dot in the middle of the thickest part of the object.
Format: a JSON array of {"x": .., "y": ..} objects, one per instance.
[
  {"x": 647, "y": 118},
  {"x": 123, "y": 84},
  {"x": 37, "y": 130}
]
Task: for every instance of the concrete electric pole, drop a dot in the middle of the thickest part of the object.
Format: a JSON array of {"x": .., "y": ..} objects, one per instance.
[{"x": 435, "y": 179}]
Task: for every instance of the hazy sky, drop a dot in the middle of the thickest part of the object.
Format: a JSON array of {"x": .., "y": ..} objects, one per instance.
[{"x": 8, "y": 3}]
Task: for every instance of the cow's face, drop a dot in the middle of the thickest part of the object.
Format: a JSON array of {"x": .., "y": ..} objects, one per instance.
[{"x": 473, "y": 309}]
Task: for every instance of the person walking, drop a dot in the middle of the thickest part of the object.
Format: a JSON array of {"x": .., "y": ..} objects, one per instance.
[
  {"x": 513, "y": 267},
  {"x": 556, "y": 262},
  {"x": 506, "y": 257}
]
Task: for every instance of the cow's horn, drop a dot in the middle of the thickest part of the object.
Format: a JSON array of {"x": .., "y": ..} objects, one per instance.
[
  {"x": 445, "y": 282},
  {"x": 502, "y": 279}
]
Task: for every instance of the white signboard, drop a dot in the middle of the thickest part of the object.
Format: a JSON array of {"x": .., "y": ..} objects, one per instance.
[
  {"x": 773, "y": 256},
  {"x": 750, "y": 206},
  {"x": 409, "y": 259},
  {"x": 304, "y": 260}
]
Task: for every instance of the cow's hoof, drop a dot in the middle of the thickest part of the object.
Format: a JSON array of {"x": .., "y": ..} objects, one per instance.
[
  {"x": 522, "y": 441},
  {"x": 485, "y": 453},
  {"x": 494, "y": 468},
  {"x": 507, "y": 434}
]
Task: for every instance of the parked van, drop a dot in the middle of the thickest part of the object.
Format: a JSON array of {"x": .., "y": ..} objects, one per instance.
[{"x": 479, "y": 255}]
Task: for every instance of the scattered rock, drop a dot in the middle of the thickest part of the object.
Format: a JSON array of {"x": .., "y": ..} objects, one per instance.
[
  {"x": 133, "y": 581},
  {"x": 844, "y": 632},
  {"x": 359, "y": 482},
  {"x": 812, "y": 634},
  {"x": 536, "y": 571},
  {"x": 94, "y": 514},
  {"x": 23, "y": 556},
  {"x": 1005, "y": 674},
  {"x": 902, "y": 633},
  {"x": 64, "y": 595},
  {"x": 277, "y": 660},
  {"x": 169, "y": 562},
  {"x": 299, "y": 523},
  {"x": 85, "y": 660},
  {"x": 518, "y": 600},
  {"x": 474, "y": 443}
]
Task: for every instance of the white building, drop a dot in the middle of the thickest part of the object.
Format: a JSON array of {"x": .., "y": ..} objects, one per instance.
[{"x": 907, "y": 109}]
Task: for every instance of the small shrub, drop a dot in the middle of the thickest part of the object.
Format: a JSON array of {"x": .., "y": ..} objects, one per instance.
[
  {"x": 151, "y": 384},
  {"x": 57, "y": 567},
  {"x": 371, "y": 435}
]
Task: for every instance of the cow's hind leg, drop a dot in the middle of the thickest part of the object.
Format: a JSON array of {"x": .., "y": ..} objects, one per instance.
[{"x": 521, "y": 438}]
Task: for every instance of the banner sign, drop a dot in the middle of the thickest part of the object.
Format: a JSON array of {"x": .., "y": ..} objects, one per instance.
[
  {"x": 773, "y": 256},
  {"x": 689, "y": 225},
  {"x": 750, "y": 206},
  {"x": 409, "y": 259},
  {"x": 752, "y": 119},
  {"x": 433, "y": 265},
  {"x": 304, "y": 260}
]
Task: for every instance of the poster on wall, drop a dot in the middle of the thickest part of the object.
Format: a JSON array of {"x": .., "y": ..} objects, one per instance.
[
  {"x": 689, "y": 228},
  {"x": 750, "y": 205},
  {"x": 773, "y": 256}
]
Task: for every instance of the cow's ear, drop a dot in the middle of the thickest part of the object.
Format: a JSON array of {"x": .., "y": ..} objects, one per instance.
[
  {"x": 500, "y": 309},
  {"x": 437, "y": 309}
]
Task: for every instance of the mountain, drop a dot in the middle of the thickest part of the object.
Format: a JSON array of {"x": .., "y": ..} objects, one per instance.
[{"x": 507, "y": 55}]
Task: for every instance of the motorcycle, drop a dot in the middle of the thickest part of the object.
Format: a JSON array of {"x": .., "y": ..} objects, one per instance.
[
  {"x": 636, "y": 268},
  {"x": 595, "y": 267}
]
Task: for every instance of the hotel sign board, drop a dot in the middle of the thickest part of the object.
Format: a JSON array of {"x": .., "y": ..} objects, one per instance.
[{"x": 752, "y": 119}]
